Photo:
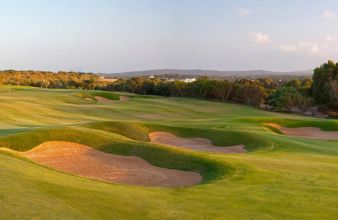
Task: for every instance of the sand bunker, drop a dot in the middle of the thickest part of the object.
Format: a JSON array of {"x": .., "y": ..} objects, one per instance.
[
  {"x": 85, "y": 161},
  {"x": 105, "y": 100},
  {"x": 124, "y": 98},
  {"x": 102, "y": 99},
  {"x": 199, "y": 144},
  {"x": 306, "y": 132}
]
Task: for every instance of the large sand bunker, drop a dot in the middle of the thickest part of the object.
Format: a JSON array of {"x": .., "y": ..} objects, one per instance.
[
  {"x": 85, "y": 161},
  {"x": 104, "y": 100},
  {"x": 199, "y": 144},
  {"x": 306, "y": 132}
]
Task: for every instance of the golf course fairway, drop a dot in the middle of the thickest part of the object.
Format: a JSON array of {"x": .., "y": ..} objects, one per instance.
[{"x": 273, "y": 175}]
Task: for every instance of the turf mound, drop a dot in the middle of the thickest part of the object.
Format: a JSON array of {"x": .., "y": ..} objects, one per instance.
[
  {"x": 306, "y": 132},
  {"x": 199, "y": 144},
  {"x": 218, "y": 137},
  {"x": 85, "y": 161}
]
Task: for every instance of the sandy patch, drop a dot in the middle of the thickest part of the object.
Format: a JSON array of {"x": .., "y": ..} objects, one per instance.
[
  {"x": 199, "y": 144},
  {"x": 105, "y": 100},
  {"x": 124, "y": 98},
  {"x": 306, "y": 132},
  {"x": 102, "y": 99},
  {"x": 85, "y": 161}
]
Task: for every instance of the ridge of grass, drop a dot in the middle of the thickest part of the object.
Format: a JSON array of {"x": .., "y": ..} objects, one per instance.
[
  {"x": 220, "y": 137},
  {"x": 325, "y": 125},
  {"x": 210, "y": 169}
]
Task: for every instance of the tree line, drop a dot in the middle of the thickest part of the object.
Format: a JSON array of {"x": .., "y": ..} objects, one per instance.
[
  {"x": 317, "y": 94},
  {"x": 296, "y": 95},
  {"x": 251, "y": 92},
  {"x": 46, "y": 79}
]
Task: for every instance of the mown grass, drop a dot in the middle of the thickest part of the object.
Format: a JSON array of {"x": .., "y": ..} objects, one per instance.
[
  {"x": 323, "y": 124},
  {"x": 93, "y": 94},
  {"x": 280, "y": 177}
]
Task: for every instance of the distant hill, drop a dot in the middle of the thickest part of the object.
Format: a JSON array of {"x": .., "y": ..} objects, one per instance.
[{"x": 200, "y": 72}]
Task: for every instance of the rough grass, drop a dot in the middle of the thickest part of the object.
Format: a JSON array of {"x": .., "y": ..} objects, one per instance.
[{"x": 280, "y": 178}]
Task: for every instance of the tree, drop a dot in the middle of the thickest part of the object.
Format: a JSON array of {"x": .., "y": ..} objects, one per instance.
[
  {"x": 288, "y": 98},
  {"x": 295, "y": 83},
  {"x": 249, "y": 92},
  {"x": 324, "y": 86},
  {"x": 219, "y": 89}
]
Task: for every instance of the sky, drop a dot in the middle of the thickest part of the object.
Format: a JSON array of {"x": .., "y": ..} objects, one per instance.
[{"x": 109, "y": 36}]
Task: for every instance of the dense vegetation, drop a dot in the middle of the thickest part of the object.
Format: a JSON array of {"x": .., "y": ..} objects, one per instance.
[
  {"x": 46, "y": 79},
  {"x": 325, "y": 87},
  {"x": 252, "y": 92}
]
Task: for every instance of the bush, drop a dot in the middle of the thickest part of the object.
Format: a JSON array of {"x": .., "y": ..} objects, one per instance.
[{"x": 289, "y": 99}]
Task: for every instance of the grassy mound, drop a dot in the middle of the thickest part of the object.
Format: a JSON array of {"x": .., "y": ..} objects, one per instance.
[
  {"x": 134, "y": 130},
  {"x": 117, "y": 144},
  {"x": 325, "y": 125},
  {"x": 140, "y": 131}
]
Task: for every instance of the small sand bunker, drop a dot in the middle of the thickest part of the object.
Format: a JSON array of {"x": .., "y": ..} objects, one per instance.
[
  {"x": 85, "y": 161},
  {"x": 102, "y": 99},
  {"x": 306, "y": 132},
  {"x": 124, "y": 98},
  {"x": 105, "y": 100},
  {"x": 199, "y": 144}
]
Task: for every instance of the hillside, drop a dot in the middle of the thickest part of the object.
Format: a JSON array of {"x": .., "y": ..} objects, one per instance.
[{"x": 200, "y": 72}]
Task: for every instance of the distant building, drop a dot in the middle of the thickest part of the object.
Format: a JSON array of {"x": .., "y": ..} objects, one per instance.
[
  {"x": 103, "y": 79},
  {"x": 187, "y": 80}
]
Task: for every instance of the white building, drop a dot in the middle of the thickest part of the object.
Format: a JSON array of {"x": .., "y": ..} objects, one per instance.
[
  {"x": 187, "y": 80},
  {"x": 103, "y": 79}
]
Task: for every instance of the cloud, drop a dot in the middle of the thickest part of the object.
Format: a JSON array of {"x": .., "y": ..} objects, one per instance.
[
  {"x": 303, "y": 47},
  {"x": 327, "y": 14},
  {"x": 260, "y": 37},
  {"x": 243, "y": 12},
  {"x": 309, "y": 47},
  {"x": 288, "y": 48},
  {"x": 329, "y": 38},
  {"x": 326, "y": 47}
]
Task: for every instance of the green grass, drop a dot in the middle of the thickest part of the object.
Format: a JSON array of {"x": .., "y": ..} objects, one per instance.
[
  {"x": 93, "y": 94},
  {"x": 280, "y": 177}
]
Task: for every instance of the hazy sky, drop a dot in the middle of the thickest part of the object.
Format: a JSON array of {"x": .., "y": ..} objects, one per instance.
[{"x": 124, "y": 35}]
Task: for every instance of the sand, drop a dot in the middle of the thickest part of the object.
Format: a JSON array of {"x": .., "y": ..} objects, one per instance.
[
  {"x": 102, "y": 99},
  {"x": 124, "y": 98},
  {"x": 306, "y": 132},
  {"x": 85, "y": 161},
  {"x": 198, "y": 144},
  {"x": 105, "y": 100}
]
